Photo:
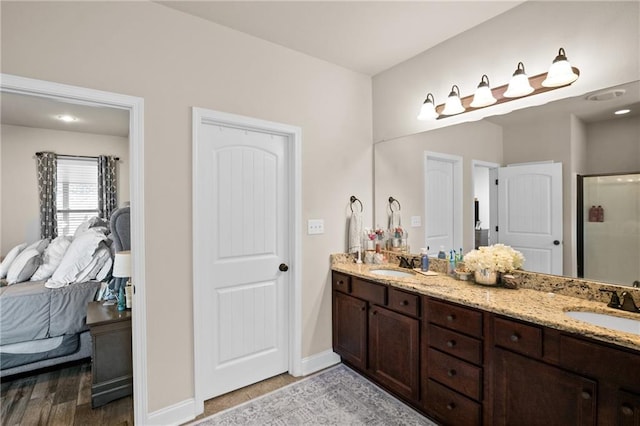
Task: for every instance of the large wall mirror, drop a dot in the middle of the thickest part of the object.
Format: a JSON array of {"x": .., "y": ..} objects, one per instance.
[{"x": 582, "y": 134}]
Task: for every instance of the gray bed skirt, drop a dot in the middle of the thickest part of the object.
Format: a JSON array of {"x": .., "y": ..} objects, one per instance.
[{"x": 82, "y": 350}]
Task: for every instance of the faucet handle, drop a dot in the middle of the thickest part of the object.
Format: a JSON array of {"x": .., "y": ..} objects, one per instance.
[
  {"x": 615, "y": 300},
  {"x": 628, "y": 304}
]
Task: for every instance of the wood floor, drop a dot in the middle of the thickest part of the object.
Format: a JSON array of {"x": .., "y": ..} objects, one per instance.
[
  {"x": 63, "y": 397},
  {"x": 59, "y": 397}
]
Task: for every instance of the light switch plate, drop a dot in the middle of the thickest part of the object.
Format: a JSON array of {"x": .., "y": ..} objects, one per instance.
[
  {"x": 416, "y": 221},
  {"x": 315, "y": 226}
]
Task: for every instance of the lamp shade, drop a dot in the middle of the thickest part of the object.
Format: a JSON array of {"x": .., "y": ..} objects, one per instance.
[
  {"x": 519, "y": 84},
  {"x": 453, "y": 105},
  {"x": 483, "y": 96},
  {"x": 428, "y": 109},
  {"x": 560, "y": 72},
  {"x": 122, "y": 265}
]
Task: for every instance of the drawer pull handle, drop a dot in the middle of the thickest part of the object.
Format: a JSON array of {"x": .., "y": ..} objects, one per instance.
[
  {"x": 626, "y": 410},
  {"x": 586, "y": 394},
  {"x": 340, "y": 282},
  {"x": 451, "y": 373},
  {"x": 451, "y": 406},
  {"x": 451, "y": 343},
  {"x": 451, "y": 317},
  {"x": 404, "y": 303},
  {"x": 514, "y": 337}
]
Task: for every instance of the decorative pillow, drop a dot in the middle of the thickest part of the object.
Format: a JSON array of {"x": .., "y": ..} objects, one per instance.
[
  {"x": 92, "y": 222},
  {"x": 40, "y": 245},
  {"x": 105, "y": 272},
  {"x": 52, "y": 257},
  {"x": 90, "y": 271},
  {"x": 9, "y": 258},
  {"x": 23, "y": 267},
  {"x": 76, "y": 258}
]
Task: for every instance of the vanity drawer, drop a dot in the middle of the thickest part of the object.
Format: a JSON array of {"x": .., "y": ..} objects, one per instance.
[
  {"x": 341, "y": 282},
  {"x": 455, "y": 344},
  {"x": 374, "y": 293},
  {"x": 518, "y": 337},
  {"x": 455, "y": 317},
  {"x": 451, "y": 407},
  {"x": 403, "y": 302},
  {"x": 454, "y": 373}
]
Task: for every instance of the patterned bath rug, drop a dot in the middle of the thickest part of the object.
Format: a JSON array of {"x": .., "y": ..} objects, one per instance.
[{"x": 338, "y": 396}]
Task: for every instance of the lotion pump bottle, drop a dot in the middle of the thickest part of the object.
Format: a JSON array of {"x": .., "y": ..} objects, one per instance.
[{"x": 424, "y": 257}]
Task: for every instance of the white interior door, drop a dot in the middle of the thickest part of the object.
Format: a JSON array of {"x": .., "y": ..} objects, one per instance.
[
  {"x": 443, "y": 202},
  {"x": 242, "y": 248},
  {"x": 530, "y": 214}
]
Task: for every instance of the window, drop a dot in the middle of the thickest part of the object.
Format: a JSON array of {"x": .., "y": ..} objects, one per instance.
[{"x": 77, "y": 192}]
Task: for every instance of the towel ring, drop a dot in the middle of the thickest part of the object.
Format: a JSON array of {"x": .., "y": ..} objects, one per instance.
[
  {"x": 353, "y": 200},
  {"x": 391, "y": 201}
]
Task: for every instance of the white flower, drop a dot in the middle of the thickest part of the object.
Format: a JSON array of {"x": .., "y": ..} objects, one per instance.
[{"x": 497, "y": 257}]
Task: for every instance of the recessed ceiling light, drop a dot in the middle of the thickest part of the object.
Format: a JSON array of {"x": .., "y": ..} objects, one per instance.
[
  {"x": 67, "y": 118},
  {"x": 622, "y": 111}
]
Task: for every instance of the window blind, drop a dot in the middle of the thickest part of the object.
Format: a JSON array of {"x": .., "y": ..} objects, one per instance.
[{"x": 77, "y": 192}]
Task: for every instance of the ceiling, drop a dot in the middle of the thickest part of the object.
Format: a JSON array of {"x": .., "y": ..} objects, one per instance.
[{"x": 364, "y": 36}]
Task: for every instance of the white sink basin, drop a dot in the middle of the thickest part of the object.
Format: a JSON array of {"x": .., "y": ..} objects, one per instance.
[
  {"x": 626, "y": 325},
  {"x": 392, "y": 273}
]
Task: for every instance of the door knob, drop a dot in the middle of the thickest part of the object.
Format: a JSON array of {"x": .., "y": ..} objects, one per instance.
[
  {"x": 556, "y": 242},
  {"x": 283, "y": 267}
]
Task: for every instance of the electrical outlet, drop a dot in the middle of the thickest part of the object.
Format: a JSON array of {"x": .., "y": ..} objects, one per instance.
[
  {"x": 416, "y": 221},
  {"x": 315, "y": 226}
]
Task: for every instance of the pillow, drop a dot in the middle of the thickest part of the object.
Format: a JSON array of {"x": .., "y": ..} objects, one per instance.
[
  {"x": 39, "y": 245},
  {"x": 23, "y": 267},
  {"x": 9, "y": 258},
  {"x": 76, "y": 258},
  {"x": 97, "y": 262},
  {"x": 105, "y": 272},
  {"x": 52, "y": 257},
  {"x": 92, "y": 222}
]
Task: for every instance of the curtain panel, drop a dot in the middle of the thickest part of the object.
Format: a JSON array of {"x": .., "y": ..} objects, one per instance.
[
  {"x": 107, "y": 186},
  {"x": 47, "y": 166}
]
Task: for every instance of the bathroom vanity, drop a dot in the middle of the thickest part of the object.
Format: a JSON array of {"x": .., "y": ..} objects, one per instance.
[{"x": 465, "y": 354}]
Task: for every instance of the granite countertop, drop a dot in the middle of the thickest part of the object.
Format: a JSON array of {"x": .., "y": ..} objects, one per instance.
[{"x": 534, "y": 305}]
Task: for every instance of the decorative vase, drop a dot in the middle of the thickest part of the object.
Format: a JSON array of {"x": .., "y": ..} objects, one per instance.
[{"x": 486, "y": 277}]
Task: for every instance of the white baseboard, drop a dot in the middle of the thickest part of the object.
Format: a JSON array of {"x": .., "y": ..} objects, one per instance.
[
  {"x": 175, "y": 414},
  {"x": 319, "y": 361}
]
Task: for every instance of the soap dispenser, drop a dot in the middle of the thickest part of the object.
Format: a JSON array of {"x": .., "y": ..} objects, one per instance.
[
  {"x": 424, "y": 258},
  {"x": 441, "y": 253}
]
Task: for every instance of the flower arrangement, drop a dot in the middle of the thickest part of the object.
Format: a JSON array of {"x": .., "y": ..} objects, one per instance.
[
  {"x": 398, "y": 232},
  {"x": 497, "y": 257}
]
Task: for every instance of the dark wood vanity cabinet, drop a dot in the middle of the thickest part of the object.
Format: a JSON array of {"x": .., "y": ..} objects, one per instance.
[
  {"x": 452, "y": 363},
  {"x": 376, "y": 330},
  {"x": 464, "y": 366}
]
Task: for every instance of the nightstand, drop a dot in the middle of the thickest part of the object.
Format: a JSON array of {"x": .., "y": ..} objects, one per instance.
[{"x": 111, "y": 360}]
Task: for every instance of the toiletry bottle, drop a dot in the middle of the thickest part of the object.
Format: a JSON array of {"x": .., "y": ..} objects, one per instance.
[
  {"x": 424, "y": 264},
  {"x": 441, "y": 253},
  {"x": 460, "y": 256},
  {"x": 452, "y": 262},
  {"x": 600, "y": 214}
]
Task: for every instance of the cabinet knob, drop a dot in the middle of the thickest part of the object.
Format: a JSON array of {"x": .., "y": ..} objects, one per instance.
[
  {"x": 451, "y": 343},
  {"x": 451, "y": 406},
  {"x": 451, "y": 372},
  {"x": 340, "y": 282},
  {"x": 627, "y": 410},
  {"x": 374, "y": 312},
  {"x": 451, "y": 317},
  {"x": 404, "y": 303},
  {"x": 514, "y": 337},
  {"x": 586, "y": 394},
  {"x": 364, "y": 308}
]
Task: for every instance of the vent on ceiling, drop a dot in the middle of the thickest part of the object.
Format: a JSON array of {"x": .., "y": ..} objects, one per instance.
[{"x": 607, "y": 95}]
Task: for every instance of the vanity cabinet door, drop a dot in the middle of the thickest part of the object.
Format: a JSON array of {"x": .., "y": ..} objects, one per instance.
[
  {"x": 350, "y": 329},
  {"x": 628, "y": 409},
  {"x": 529, "y": 392},
  {"x": 394, "y": 351}
]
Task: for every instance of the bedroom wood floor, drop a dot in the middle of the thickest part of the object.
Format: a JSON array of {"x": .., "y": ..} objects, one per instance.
[
  {"x": 59, "y": 397},
  {"x": 63, "y": 397}
]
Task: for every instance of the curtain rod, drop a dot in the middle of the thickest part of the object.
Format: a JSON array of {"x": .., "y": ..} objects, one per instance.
[{"x": 75, "y": 156}]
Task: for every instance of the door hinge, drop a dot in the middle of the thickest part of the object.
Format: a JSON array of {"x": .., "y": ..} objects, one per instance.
[
  {"x": 496, "y": 181},
  {"x": 496, "y": 228}
]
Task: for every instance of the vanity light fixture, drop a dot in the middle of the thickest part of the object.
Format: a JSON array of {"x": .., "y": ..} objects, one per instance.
[
  {"x": 520, "y": 86},
  {"x": 454, "y": 104},
  {"x": 428, "y": 110},
  {"x": 560, "y": 72},
  {"x": 483, "y": 96}
]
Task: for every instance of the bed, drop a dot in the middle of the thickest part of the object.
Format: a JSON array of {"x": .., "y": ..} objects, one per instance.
[{"x": 43, "y": 321}]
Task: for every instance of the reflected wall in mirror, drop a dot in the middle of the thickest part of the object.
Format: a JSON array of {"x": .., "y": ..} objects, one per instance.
[{"x": 583, "y": 135}]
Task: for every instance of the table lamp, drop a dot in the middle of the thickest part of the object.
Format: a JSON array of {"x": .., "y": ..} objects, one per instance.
[{"x": 122, "y": 269}]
